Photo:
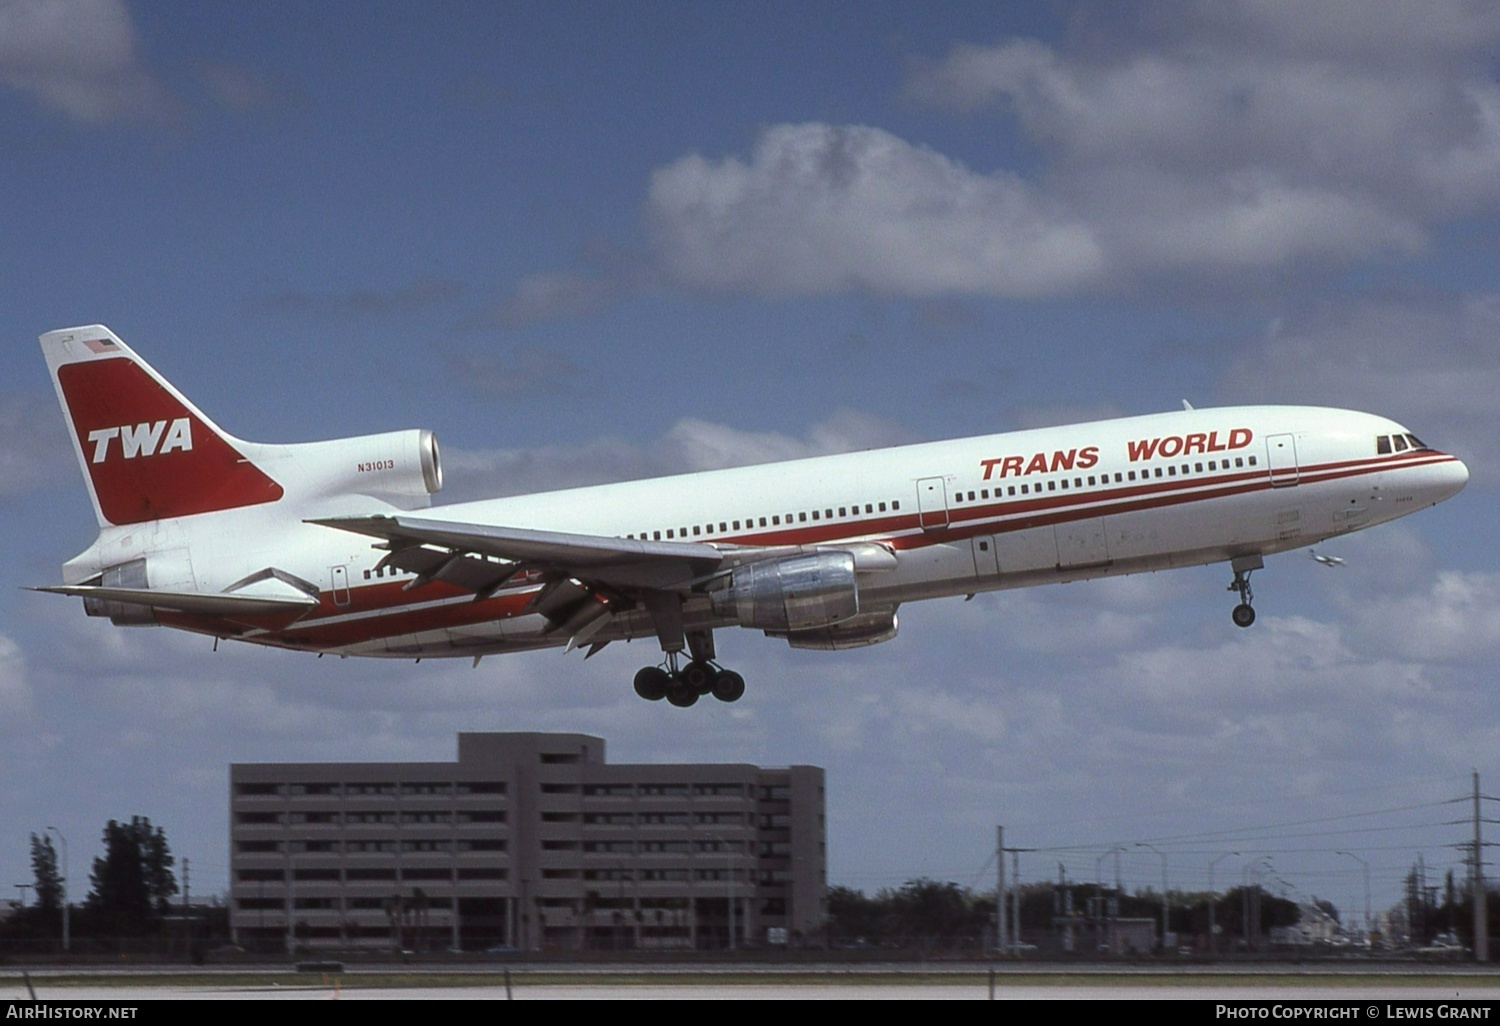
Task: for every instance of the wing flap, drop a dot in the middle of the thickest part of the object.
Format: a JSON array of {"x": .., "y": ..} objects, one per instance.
[{"x": 616, "y": 562}]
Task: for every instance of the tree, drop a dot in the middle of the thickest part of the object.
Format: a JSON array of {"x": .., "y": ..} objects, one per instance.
[
  {"x": 133, "y": 882},
  {"x": 49, "y": 882}
]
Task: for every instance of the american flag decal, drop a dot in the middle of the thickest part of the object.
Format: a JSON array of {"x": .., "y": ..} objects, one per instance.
[{"x": 101, "y": 345}]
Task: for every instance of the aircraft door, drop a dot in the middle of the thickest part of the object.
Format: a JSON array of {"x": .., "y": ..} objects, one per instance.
[
  {"x": 1281, "y": 458},
  {"x": 340, "y": 576},
  {"x": 932, "y": 503}
]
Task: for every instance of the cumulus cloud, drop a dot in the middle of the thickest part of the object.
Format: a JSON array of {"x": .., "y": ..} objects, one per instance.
[
  {"x": 1230, "y": 137},
  {"x": 1429, "y": 361},
  {"x": 690, "y": 445},
  {"x": 830, "y": 208},
  {"x": 1455, "y": 620},
  {"x": 1172, "y": 143},
  {"x": 78, "y": 57}
]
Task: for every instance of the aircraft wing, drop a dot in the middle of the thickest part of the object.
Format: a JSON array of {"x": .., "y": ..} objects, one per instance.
[{"x": 625, "y": 564}]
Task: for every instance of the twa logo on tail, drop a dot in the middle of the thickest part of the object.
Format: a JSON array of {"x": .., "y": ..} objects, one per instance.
[
  {"x": 144, "y": 439},
  {"x": 123, "y": 413}
]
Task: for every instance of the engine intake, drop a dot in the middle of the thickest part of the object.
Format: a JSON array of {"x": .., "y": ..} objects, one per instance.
[{"x": 791, "y": 594}]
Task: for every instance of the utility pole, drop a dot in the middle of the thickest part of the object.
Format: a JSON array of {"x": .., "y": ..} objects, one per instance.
[
  {"x": 1000, "y": 931},
  {"x": 1481, "y": 917},
  {"x": 1015, "y": 899}
]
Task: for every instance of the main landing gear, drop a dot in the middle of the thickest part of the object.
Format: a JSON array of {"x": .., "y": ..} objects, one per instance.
[
  {"x": 1244, "y": 613},
  {"x": 683, "y": 686}
]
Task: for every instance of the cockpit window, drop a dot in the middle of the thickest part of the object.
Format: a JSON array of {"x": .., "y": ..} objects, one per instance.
[
  {"x": 1400, "y": 441},
  {"x": 1383, "y": 445},
  {"x": 1416, "y": 443}
]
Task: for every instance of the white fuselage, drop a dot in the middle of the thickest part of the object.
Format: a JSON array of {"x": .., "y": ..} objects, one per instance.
[{"x": 925, "y": 521}]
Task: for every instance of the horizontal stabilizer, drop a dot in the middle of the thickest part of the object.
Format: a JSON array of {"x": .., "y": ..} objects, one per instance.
[{"x": 206, "y": 603}]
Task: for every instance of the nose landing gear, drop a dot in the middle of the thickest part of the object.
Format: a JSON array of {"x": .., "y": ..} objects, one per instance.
[{"x": 1244, "y": 613}]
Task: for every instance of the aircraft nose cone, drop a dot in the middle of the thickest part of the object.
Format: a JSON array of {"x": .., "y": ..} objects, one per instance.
[{"x": 1455, "y": 474}]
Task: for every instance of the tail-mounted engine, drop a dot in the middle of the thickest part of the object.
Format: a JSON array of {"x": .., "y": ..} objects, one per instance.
[{"x": 399, "y": 467}]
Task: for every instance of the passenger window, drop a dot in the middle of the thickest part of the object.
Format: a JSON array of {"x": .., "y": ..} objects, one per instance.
[
  {"x": 895, "y": 504},
  {"x": 1252, "y": 461},
  {"x": 815, "y": 514},
  {"x": 802, "y": 517},
  {"x": 882, "y": 507},
  {"x": 763, "y": 521}
]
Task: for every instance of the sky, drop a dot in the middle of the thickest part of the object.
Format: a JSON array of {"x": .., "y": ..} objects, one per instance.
[{"x": 593, "y": 241}]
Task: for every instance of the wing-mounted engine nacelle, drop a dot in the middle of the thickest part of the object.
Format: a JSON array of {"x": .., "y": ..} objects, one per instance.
[
  {"x": 865, "y": 629},
  {"x": 402, "y": 468},
  {"x": 792, "y": 594}
]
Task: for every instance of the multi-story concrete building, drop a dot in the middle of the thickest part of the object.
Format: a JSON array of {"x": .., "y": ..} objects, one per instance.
[{"x": 528, "y": 841}]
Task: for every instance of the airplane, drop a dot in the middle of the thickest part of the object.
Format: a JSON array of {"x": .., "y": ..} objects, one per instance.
[
  {"x": 335, "y": 546},
  {"x": 1328, "y": 561}
]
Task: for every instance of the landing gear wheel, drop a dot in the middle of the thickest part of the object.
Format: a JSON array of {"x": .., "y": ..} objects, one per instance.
[
  {"x": 729, "y": 686},
  {"x": 682, "y": 697},
  {"x": 699, "y": 676},
  {"x": 652, "y": 683},
  {"x": 1243, "y": 614}
]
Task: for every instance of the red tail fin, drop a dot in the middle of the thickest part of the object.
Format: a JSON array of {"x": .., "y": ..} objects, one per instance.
[{"x": 146, "y": 452}]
